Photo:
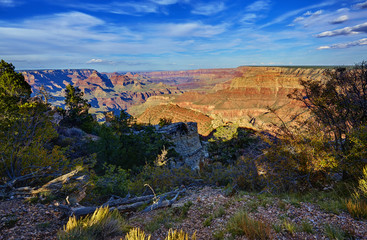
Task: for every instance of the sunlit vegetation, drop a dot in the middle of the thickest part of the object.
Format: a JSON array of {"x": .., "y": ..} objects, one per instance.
[{"x": 102, "y": 224}]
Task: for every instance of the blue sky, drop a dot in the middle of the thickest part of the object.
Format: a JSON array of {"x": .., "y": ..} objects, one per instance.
[{"x": 181, "y": 34}]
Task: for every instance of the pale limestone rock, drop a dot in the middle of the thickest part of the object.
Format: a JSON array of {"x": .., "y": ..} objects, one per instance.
[{"x": 186, "y": 142}]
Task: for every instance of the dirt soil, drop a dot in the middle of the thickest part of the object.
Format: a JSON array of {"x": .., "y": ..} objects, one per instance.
[{"x": 204, "y": 210}]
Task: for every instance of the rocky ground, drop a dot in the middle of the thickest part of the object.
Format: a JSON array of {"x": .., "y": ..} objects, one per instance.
[{"x": 205, "y": 211}]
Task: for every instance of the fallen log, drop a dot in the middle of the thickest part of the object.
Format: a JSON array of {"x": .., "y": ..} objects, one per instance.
[
  {"x": 163, "y": 203},
  {"x": 125, "y": 204}
]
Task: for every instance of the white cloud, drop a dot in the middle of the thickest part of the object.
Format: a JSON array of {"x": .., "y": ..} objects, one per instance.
[
  {"x": 360, "y": 28},
  {"x": 258, "y": 6},
  {"x": 361, "y": 42},
  {"x": 7, "y": 3},
  {"x": 195, "y": 29},
  {"x": 249, "y": 18},
  {"x": 298, "y": 19},
  {"x": 293, "y": 13},
  {"x": 168, "y": 2},
  {"x": 122, "y": 8},
  {"x": 362, "y": 5},
  {"x": 93, "y": 60},
  {"x": 340, "y": 19},
  {"x": 208, "y": 9}
]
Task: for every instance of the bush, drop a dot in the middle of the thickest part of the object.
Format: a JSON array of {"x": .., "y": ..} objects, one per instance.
[
  {"x": 357, "y": 205},
  {"x": 164, "y": 121},
  {"x": 102, "y": 224},
  {"x": 115, "y": 181},
  {"x": 242, "y": 224},
  {"x": 229, "y": 142},
  {"x": 161, "y": 178},
  {"x": 127, "y": 148},
  {"x": 243, "y": 174}
]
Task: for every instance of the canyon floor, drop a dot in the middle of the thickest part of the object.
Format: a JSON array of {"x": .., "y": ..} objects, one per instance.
[{"x": 204, "y": 210}]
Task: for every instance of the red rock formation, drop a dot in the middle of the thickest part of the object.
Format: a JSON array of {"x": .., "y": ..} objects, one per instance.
[
  {"x": 111, "y": 91},
  {"x": 247, "y": 97}
]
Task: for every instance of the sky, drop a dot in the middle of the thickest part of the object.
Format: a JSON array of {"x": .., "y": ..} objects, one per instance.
[{"x": 146, "y": 35}]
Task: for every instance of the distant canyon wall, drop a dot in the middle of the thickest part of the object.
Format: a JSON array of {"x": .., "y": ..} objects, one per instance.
[
  {"x": 105, "y": 91},
  {"x": 244, "y": 99}
]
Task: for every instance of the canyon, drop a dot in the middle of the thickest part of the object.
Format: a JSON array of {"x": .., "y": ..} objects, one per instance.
[
  {"x": 210, "y": 97},
  {"x": 104, "y": 91}
]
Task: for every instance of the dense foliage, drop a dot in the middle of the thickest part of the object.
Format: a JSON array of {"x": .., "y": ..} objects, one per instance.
[{"x": 26, "y": 129}]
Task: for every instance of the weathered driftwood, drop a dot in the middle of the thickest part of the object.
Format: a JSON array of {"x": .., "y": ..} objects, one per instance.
[
  {"x": 123, "y": 201},
  {"x": 125, "y": 204},
  {"x": 133, "y": 206},
  {"x": 162, "y": 202}
]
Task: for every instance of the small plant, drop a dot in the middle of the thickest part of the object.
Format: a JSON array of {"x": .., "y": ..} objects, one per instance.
[
  {"x": 242, "y": 224},
  {"x": 136, "y": 234},
  {"x": 334, "y": 232},
  {"x": 219, "y": 212},
  {"x": 357, "y": 208},
  {"x": 277, "y": 228},
  {"x": 218, "y": 235},
  {"x": 164, "y": 218},
  {"x": 102, "y": 224},
  {"x": 43, "y": 225},
  {"x": 182, "y": 212},
  {"x": 179, "y": 235},
  {"x": 282, "y": 205},
  {"x": 306, "y": 227},
  {"x": 164, "y": 121},
  {"x": 9, "y": 222},
  {"x": 357, "y": 205},
  {"x": 289, "y": 227},
  {"x": 208, "y": 221}
]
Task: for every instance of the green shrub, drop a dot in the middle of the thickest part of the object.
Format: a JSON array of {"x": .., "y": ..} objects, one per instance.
[
  {"x": 164, "y": 121},
  {"x": 242, "y": 224},
  {"x": 128, "y": 149},
  {"x": 114, "y": 182},
  {"x": 306, "y": 227},
  {"x": 161, "y": 178},
  {"x": 289, "y": 226},
  {"x": 102, "y": 224},
  {"x": 229, "y": 142},
  {"x": 334, "y": 232}
]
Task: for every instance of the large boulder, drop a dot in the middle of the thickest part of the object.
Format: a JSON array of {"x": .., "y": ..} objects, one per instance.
[{"x": 186, "y": 142}]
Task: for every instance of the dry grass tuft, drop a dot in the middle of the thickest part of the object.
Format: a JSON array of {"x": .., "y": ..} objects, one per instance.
[
  {"x": 242, "y": 224},
  {"x": 136, "y": 234},
  {"x": 179, "y": 235},
  {"x": 102, "y": 224}
]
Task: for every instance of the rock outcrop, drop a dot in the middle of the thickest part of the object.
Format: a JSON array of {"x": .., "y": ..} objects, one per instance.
[{"x": 186, "y": 142}]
